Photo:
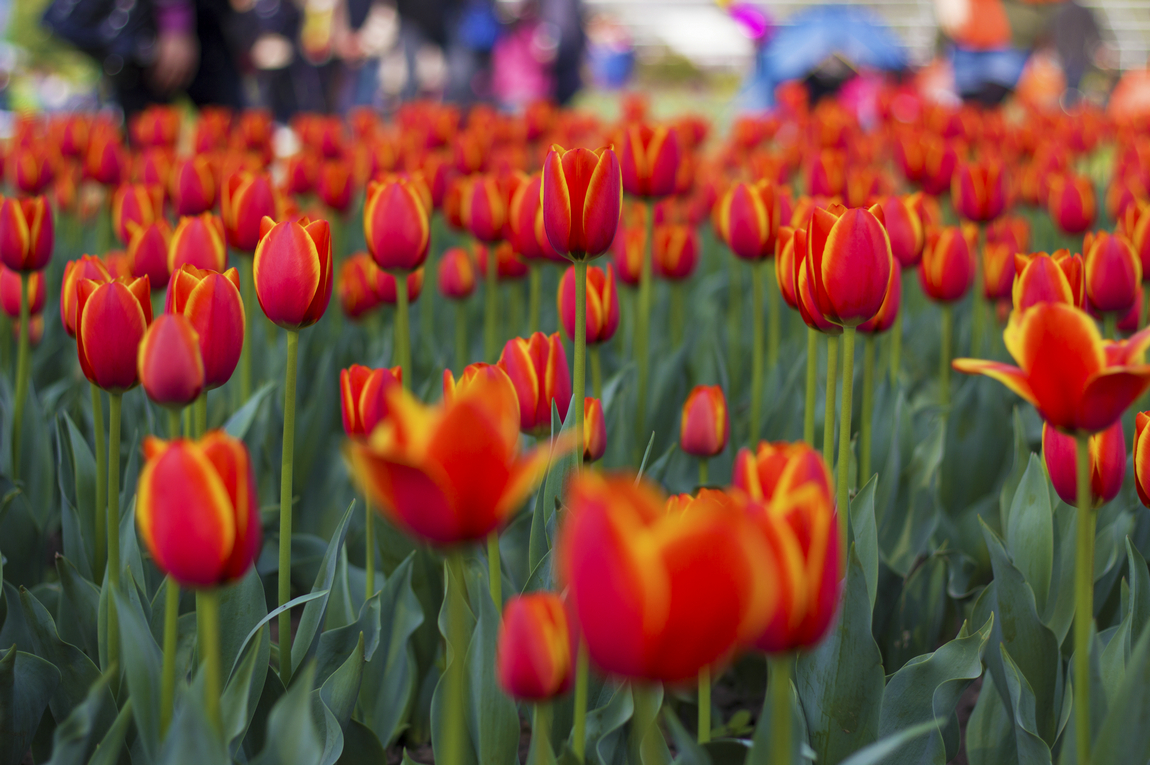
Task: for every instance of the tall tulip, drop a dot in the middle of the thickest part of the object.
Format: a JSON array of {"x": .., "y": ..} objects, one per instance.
[
  {"x": 171, "y": 368},
  {"x": 1113, "y": 276},
  {"x": 211, "y": 301},
  {"x": 705, "y": 425},
  {"x": 649, "y": 160},
  {"x": 1043, "y": 278},
  {"x": 538, "y": 368},
  {"x": 946, "y": 273},
  {"x": 198, "y": 241}
]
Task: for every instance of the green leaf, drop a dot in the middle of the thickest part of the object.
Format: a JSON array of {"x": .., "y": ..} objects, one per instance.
[
  {"x": 928, "y": 687},
  {"x": 1030, "y": 531},
  {"x": 454, "y": 653},
  {"x": 606, "y": 740},
  {"x": 238, "y": 424},
  {"x": 1124, "y": 736},
  {"x": 26, "y": 684},
  {"x": 492, "y": 719},
  {"x": 866, "y": 536},
  {"x": 79, "y": 496},
  {"x": 340, "y": 691},
  {"x": 555, "y": 484},
  {"x": 840, "y": 682},
  {"x": 646, "y": 456},
  {"x": 760, "y": 750},
  {"x": 541, "y": 576},
  {"x": 243, "y": 608},
  {"x": 1059, "y": 611},
  {"x": 690, "y": 752},
  {"x": 142, "y": 662},
  {"x": 271, "y": 615},
  {"x": 292, "y": 738},
  {"x": 907, "y": 528},
  {"x": 892, "y": 747},
  {"x": 85, "y": 726},
  {"x": 82, "y": 599},
  {"x": 306, "y": 638},
  {"x": 191, "y": 740},
  {"x": 1014, "y": 477},
  {"x": 336, "y": 645},
  {"x": 360, "y": 746},
  {"x": 1032, "y": 750},
  {"x": 109, "y": 749},
  {"x": 990, "y": 731},
  {"x": 236, "y": 704}
]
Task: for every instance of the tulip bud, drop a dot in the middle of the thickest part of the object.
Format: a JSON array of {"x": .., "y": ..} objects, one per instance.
[
  {"x": 947, "y": 268},
  {"x": 602, "y": 304},
  {"x": 594, "y": 431},
  {"x": 939, "y": 162},
  {"x": 508, "y": 264},
  {"x": 363, "y": 394},
  {"x": 293, "y": 271},
  {"x": 628, "y": 249},
  {"x": 135, "y": 203},
  {"x": 997, "y": 270},
  {"x": 479, "y": 374},
  {"x": 395, "y": 224},
  {"x": 75, "y": 271},
  {"x": 848, "y": 263},
  {"x": 211, "y": 302},
  {"x": 301, "y": 171},
  {"x": 676, "y": 251},
  {"x": 111, "y": 319},
  {"x": 1071, "y": 203},
  {"x": 581, "y": 199},
  {"x": 483, "y": 209},
  {"x": 106, "y": 159},
  {"x": 11, "y": 288},
  {"x": 649, "y": 160},
  {"x": 525, "y": 218},
  {"x": 826, "y": 173},
  {"x": 748, "y": 218},
  {"x": 978, "y": 191},
  {"x": 193, "y": 186},
  {"x": 1112, "y": 271},
  {"x": 1041, "y": 278},
  {"x": 705, "y": 425},
  {"x": 905, "y": 230},
  {"x": 1141, "y": 458},
  {"x": 31, "y": 170},
  {"x": 891, "y": 305},
  {"x": 26, "y": 233},
  {"x": 334, "y": 184},
  {"x": 535, "y": 657},
  {"x": 538, "y": 368},
  {"x": 357, "y": 285},
  {"x": 198, "y": 241},
  {"x": 170, "y": 367},
  {"x": 456, "y": 274},
  {"x": 1107, "y": 463},
  {"x": 197, "y": 509},
  {"x": 245, "y": 200},
  {"x": 385, "y": 286},
  {"x": 148, "y": 248}
]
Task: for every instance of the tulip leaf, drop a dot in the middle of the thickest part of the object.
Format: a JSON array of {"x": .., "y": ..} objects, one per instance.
[
  {"x": 1124, "y": 735},
  {"x": 241, "y": 420},
  {"x": 243, "y": 607},
  {"x": 760, "y": 751},
  {"x": 110, "y": 748},
  {"x": 892, "y": 748},
  {"x": 492, "y": 718},
  {"x": 690, "y": 752},
  {"x": 1032, "y": 750},
  {"x": 360, "y": 746},
  {"x": 77, "y": 481},
  {"x": 1030, "y": 531},
  {"x": 1022, "y": 455},
  {"x": 81, "y": 599},
  {"x": 15, "y": 631},
  {"x": 1059, "y": 611},
  {"x": 26, "y": 684},
  {"x": 906, "y": 529},
  {"x": 90, "y": 722},
  {"x": 977, "y": 444},
  {"x": 865, "y": 535},
  {"x": 191, "y": 740},
  {"x": 292, "y": 737},
  {"x": 606, "y": 739},
  {"x": 646, "y": 456},
  {"x": 236, "y": 704},
  {"x": 840, "y": 681},
  {"x": 298, "y": 601},
  {"x": 541, "y": 577},
  {"x": 307, "y": 635},
  {"x": 927, "y": 687},
  {"x": 336, "y": 645},
  {"x": 142, "y": 662},
  {"x": 559, "y": 468},
  {"x": 454, "y": 653}
]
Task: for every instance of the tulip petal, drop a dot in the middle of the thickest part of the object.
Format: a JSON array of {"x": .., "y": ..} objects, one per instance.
[
  {"x": 1108, "y": 395},
  {"x": 1010, "y": 376}
]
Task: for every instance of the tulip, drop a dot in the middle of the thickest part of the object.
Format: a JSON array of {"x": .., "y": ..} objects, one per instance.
[
  {"x": 26, "y": 233},
  {"x": 300, "y": 172},
  {"x": 456, "y": 274},
  {"x": 581, "y": 201},
  {"x": 537, "y": 367},
  {"x": 137, "y": 203},
  {"x": 535, "y": 658},
  {"x": 884, "y": 320},
  {"x": 826, "y": 173},
  {"x": 1107, "y": 463},
  {"x": 998, "y": 270},
  {"x": 364, "y": 397},
  {"x": 939, "y": 162},
  {"x": 1042, "y": 278},
  {"x": 385, "y": 286},
  {"x": 169, "y": 363},
  {"x": 676, "y": 251},
  {"x": 245, "y": 199},
  {"x": 905, "y": 229},
  {"x": 483, "y": 209},
  {"x": 356, "y": 286},
  {"x": 628, "y": 251},
  {"x": 198, "y": 241},
  {"x": 10, "y": 292},
  {"x": 334, "y": 185},
  {"x": 602, "y": 304},
  {"x": 705, "y": 425},
  {"x": 111, "y": 318},
  {"x": 1135, "y": 224},
  {"x": 528, "y": 237},
  {"x": 211, "y": 302},
  {"x": 649, "y": 160},
  {"x": 106, "y": 159},
  {"x": 978, "y": 191},
  {"x": 31, "y": 169},
  {"x": 35, "y": 329},
  {"x": 153, "y": 167},
  {"x": 156, "y": 125},
  {"x": 148, "y": 249},
  {"x": 1071, "y": 203},
  {"x": 508, "y": 264},
  {"x": 293, "y": 272},
  {"x": 947, "y": 268},
  {"x": 1113, "y": 275},
  {"x": 478, "y": 373},
  {"x": 659, "y": 595},
  {"x": 87, "y": 267},
  {"x": 1141, "y": 458},
  {"x": 595, "y": 431},
  {"x": 193, "y": 186}
]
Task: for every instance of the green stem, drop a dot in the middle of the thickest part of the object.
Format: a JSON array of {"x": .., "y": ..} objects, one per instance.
[
  {"x": 845, "y": 425},
  {"x": 454, "y": 722},
  {"x": 1083, "y": 601},
  {"x": 676, "y": 310},
  {"x": 734, "y": 323},
  {"x": 368, "y": 547},
  {"x": 1109, "y": 325},
  {"x": 756, "y": 347},
  {"x": 426, "y": 306},
  {"x": 514, "y": 309},
  {"x": 248, "y": 286},
  {"x": 812, "y": 385},
  {"x": 779, "y": 684},
  {"x": 287, "y": 459},
  {"x": 579, "y": 724},
  {"x": 703, "y": 472},
  {"x": 896, "y": 347},
  {"x": 643, "y": 326},
  {"x": 491, "y": 309},
  {"x": 644, "y": 725},
  {"x": 976, "y": 323},
  {"x": 402, "y": 333},
  {"x": 596, "y": 372},
  {"x": 101, "y": 479},
  {"x": 534, "y": 299},
  {"x": 944, "y": 355},
  {"x": 704, "y": 704},
  {"x": 495, "y": 570},
  {"x": 579, "y": 369},
  {"x": 460, "y": 336},
  {"x": 21, "y": 375},
  {"x": 173, "y": 423},
  {"x": 867, "y": 409},
  {"x": 541, "y": 735},
  {"x": 774, "y": 323},
  {"x": 171, "y": 633},
  {"x": 201, "y": 411},
  {"x": 208, "y": 623},
  {"x": 113, "y": 525},
  {"x": 829, "y": 405}
]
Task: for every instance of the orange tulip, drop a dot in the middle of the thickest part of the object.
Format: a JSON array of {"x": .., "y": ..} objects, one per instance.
[
  {"x": 456, "y": 274},
  {"x": 1107, "y": 463},
  {"x": 198, "y": 241},
  {"x": 450, "y": 473},
  {"x": 148, "y": 248},
  {"x": 676, "y": 251},
  {"x": 211, "y": 302},
  {"x": 1042, "y": 278},
  {"x": 905, "y": 229},
  {"x": 245, "y": 199},
  {"x": 748, "y": 219},
  {"x": 1078, "y": 382},
  {"x": 947, "y": 268},
  {"x": 594, "y": 431},
  {"x": 156, "y": 125},
  {"x": 111, "y": 319},
  {"x": 525, "y": 216},
  {"x": 472, "y": 373},
  {"x": 356, "y": 285},
  {"x": 582, "y": 195},
  {"x": 170, "y": 366},
  {"x": 1071, "y": 203},
  {"x": 395, "y": 224},
  {"x": 483, "y": 208},
  {"x": 1113, "y": 272},
  {"x": 26, "y": 233},
  {"x": 107, "y": 159},
  {"x": 602, "y": 304},
  {"x": 658, "y": 594},
  {"x": 848, "y": 263},
  {"x": 31, "y": 169},
  {"x": 997, "y": 270},
  {"x": 193, "y": 186},
  {"x": 940, "y": 158},
  {"x": 363, "y": 394},
  {"x": 538, "y": 368},
  {"x": 1142, "y": 458},
  {"x": 335, "y": 184},
  {"x": 87, "y": 267},
  {"x": 649, "y": 160},
  {"x": 293, "y": 271},
  {"x": 10, "y": 288},
  {"x": 137, "y": 203},
  {"x": 627, "y": 252},
  {"x": 197, "y": 509},
  {"x": 705, "y": 425},
  {"x": 535, "y": 658},
  {"x": 978, "y": 190}
]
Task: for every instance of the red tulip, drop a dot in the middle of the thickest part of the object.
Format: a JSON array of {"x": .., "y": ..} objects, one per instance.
[
  {"x": 676, "y": 251},
  {"x": 997, "y": 270},
  {"x": 748, "y": 219},
  {"x": 1113, "y": 272},
  {"x": 31, "y": 169},
  {"x": 356, "y": 286},
  {"x": 525, "y": 216},
  {"x": 334, "y": 184},
  {"x": 483, "y": 208},
  {"x": 891, "y": 305},
  {"x": 594, "y": 431},
  {"x": 649, "y": 160},
  {"x": 293, "y": 271},
  {"x": 11, "y": 287},
  {"x": 705, "y": 425},
  {"x": 628, "y": 249},
  {"x": 905, "y": 230},
  {"x": 26, "y": 233},
  {"x": 456, "y": 274},
  {"x": 538, "y": 368},
  {"x": 1141, "y": 458},
  {"x": 246, "y": 199},
  {"x": 582, "y": 197},
  {"x": 137, "y": 203},
  {"x": 170, "y": 366},
  {"x": 826, "y": 173},
  {"x": 106, "y": 160},
  {"x": 1071, "y": 203},
  {"x": 395, "y": 224},
  {"x": 535, "y": 658},
  {"x": 1107, "y": 463},
  {"x": 947, "y": 268},
  {"x": 978, "y": 190},
  {"x": 87, "y": 267},
  {"x": 211, "y": 302},
  {"x": 148, "y": 249},
  {"x": 111, "y": 319},
  {"x": 848, "y": 261},
  {"x": 193, "y": 186},
  {"x": 602, "y": 304},
  {"x": 1042, "y": 278},
  {"x": 363, "y": 394},
  {"x": 385, "y": 286},
  {"x": 479, "y": 373},
  {"x": 508, "y": 264}
]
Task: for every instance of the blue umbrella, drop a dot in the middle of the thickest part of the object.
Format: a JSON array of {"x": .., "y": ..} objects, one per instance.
[{"x": 813, "y": 35}]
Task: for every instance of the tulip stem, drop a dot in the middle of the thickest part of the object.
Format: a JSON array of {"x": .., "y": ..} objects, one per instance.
[
  {"x": 101, "y": 481},
  {"x": 171, "y": 633},
  {"x": 173, "y": 423},
  {"x": 703, "y": 472},
  {"x": 368, "y": 547},
  {"x": 779, "y": 668},
  {"x": 896, "y": 347},
  {"x": 774, "y": 323},
  {"x": 208, "y": 622},
  {"x": 495, "y": 570},
  {"x": 201, "y": 411},
  {"x": 1083, "y": 601},
  {"x": 1109, "y": 325},
  {"x": 829, "y": 405},
  {"x": 534, "y": 298},
  {"x": 426, "y": 308},
  {"x": 976, "y": 322},
  {"x": 460, "y": 336},
  {"x": 402, "y": 333},
  {"x": 676, "y": 310},
  {"x": 491, "y": 308},
  {"x": 21, "y": 375},
  {"x": 579, "y": 724},
  {"x": 113, "y": 525},
  {"x": 704, "y": 703},
  {"x": 756, "y": 347},
  {"x": 845, "y": 426},
  {"x": 812, "y": 385},
  {"x": 247, "y": 283},
  {"x": 944, "y": 356},
  {"x": 579, "y": 371},
  {"x": 287, "y": 459},
  {"x": 454, "y": 722},
  {"x": 734, "y": 321},
  {"x": 541, "y": 735},
  {"x": 642, "y": 323},
  {"x": 867, "y": 409},
  {"x": 514, "y": 308},
  {"x": 596, "y": 372}
]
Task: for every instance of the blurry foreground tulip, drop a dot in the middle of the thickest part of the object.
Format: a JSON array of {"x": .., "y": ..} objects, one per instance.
[
  {"x": 170, "y": 367},
  {"x": 535, "y": 658},
  {"x": 363, "y": 395},
  {"x": 1107, "y": 463},
  {"x": 538, "y": 369}
]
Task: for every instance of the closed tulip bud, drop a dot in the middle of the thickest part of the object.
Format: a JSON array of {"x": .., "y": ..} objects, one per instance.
[
  {"x": 602, "y": 304},
  {"x": 891, "y": 305},
  {"x": 111, "y": 319},
  {"x": 629, "y": 247},
  {"x": 35, "y": 329},
  {"x": 1042, "y": 278},
  {"x": 198, "y": 241},
  {"x": 456, "y": 274},
  {"x": 538, "y": 368},
  {"x": 705, "y": 425},
  {"x": 197, "y": 509},
  {"x": 535, "y": 657},
  {"x": 1113, "y": 272},
  {"x": 135, "y": 203},
  {"x": 594, "y": 431},
  {"x": 905, "y": 229},
  {"x": 1107, "y": 463},
  {"x": 805, "y": 288},
  {"x": 211, "y": 302},
  {"x": 676, "y": 251},
  {"x": 157, "y": 125},
  {"x": 301, "y": 171},
  {"x": 785, "y": 265},
  {"x": 649, "y": 160},
  {"x": 27, "y": 235},
  {"x": 939, "y": 162},
  {"x": 479, "y": 373},
  {"x": 660, "y": 595},
  {"x": 86, "y": 267},
  {"x": 148, "y": 248},
  {"x": 508, "y": 264},
  {"x": 357, "y": 285},
  {"x": 826, "y": 173},
  {"x": 106, "y": 160},
  {"x": 153, "y": 167},
  {"x": 293, "y": 271},
  {"x": 525, "y": 218},
  {"x": 849, "y": 263},
  {"x": 31, "y": 169},
  {"x": 395, "y": 224},
  {"x": 193, "y": 186},
  {"x": 997, "y": 270},
  {"x": 978, "y": 190},
  {"x": 363, "y": 395},
  {"x": 1135, "y": 224},
  {"x": 1141, "y": 458},
  {"x": 582, "y": 196},
  {"x": 484, "y": 212},
  {"x": 748, "y": 218},
  {"x": 170, "y": 367},
  {"x": 10, "y": 289},
  {"x": 385, "y": 286},
  {"x": 1071, "y": 203},
  {"x": 450, "y": 473},
  {"x": 65, "y": 190},
  {"x": 947, "y": 268},
  {"x": 334, "y": 184},
  {"x": 246, "y": 199}
]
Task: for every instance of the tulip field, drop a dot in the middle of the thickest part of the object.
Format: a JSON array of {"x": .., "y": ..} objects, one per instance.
[{"x": 481, "y": 438}]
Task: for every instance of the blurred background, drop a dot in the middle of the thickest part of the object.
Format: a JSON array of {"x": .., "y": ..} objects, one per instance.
[{"x": 722, "y": 57}]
